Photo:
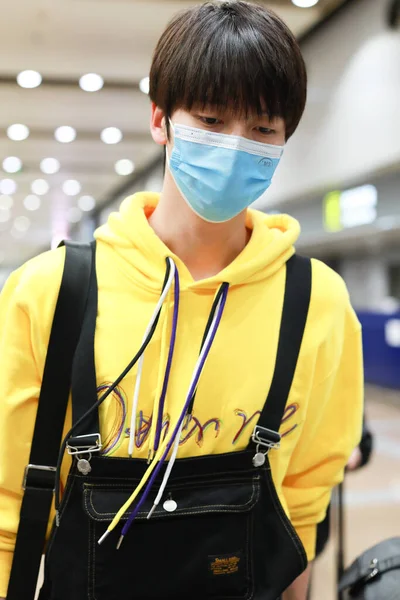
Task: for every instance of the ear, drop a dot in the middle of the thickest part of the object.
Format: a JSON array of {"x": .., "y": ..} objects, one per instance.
[{"x": 157, "y": 125}]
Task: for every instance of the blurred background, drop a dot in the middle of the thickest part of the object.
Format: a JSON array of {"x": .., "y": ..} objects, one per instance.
[{"x": 74, "y": 141}]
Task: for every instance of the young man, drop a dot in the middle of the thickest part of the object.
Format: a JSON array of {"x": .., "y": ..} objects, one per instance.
[{"x": 228, "y": 88}]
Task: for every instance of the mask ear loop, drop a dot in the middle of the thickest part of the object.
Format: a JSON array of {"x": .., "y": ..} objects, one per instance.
[
  {"x": 166, "y": 154},
  {"x": 167, "y": 157},
  {"x": 172, "y": 126}
]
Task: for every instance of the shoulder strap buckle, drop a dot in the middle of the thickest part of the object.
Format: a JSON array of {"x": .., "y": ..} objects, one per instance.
[
  {"x": 39, "y": 476},
  {"x": 84, "y": 444},
  {"x": 266, "y": 438}
]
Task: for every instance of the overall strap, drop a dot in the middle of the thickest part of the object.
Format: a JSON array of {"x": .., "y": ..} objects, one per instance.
[
  {"x": 294, "y": 317},
  {"x": 39, "y": 478}
]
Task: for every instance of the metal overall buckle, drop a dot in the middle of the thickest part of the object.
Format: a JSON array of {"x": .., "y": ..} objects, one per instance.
[
  {"x": 90, "y": 443},
  {"x": 265, "y": 438},
  {"x": 26, "y": 483}
]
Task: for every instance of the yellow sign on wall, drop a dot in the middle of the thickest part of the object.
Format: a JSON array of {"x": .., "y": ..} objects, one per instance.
[
  {"x": 332, "y": 214},
  {"x": 351, "y": 208}
]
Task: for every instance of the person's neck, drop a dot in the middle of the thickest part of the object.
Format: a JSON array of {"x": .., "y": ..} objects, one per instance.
[{"x": 205, "y": 248}]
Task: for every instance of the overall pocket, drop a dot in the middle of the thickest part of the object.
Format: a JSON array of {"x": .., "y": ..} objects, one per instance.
[{"x": 203, "y": 549}]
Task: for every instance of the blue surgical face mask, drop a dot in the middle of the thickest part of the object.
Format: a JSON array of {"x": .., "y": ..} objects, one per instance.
[{"x": 220, "y": 175}]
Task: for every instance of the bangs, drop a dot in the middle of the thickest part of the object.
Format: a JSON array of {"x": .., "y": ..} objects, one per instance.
[
  {"x": 229, "y": 73},
  {"x": 232, "y": 56}
]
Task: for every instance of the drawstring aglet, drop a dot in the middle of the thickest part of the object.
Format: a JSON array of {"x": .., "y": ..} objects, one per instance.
[
  {"x": 121, "y": 539},
  {"x": 57, "y": 518},
  {"x": 103, "y": 537},
  {"x": 150, "y": 456},
  {"x": 152, "y": 510}
]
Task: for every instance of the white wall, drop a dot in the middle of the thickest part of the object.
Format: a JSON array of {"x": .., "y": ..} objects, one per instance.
[
  {"x": 367, "y": 282},
  {"x": 351, "y": 126}
]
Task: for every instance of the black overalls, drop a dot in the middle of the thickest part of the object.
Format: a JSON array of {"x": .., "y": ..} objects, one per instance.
[{"x": 227, "y": 536}]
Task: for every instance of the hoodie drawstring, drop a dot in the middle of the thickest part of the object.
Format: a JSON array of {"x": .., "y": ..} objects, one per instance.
[
  {"x": 165, "y": 346},
  {"x": 156, "y": 313},
  {"x": 185, "y": 422},
  {"x": 165, "y": 448},
  {"x": 155, "y": 442}
]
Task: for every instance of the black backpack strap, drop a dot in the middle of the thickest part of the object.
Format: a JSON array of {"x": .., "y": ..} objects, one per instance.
[
  {"x": 39, "y": 479},
  {"x": 84, "y": 384},
  {"x": 294, "y": 318}
]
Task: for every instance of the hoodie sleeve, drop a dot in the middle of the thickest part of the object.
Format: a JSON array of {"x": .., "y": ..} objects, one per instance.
[
  {"x": 26, "y": 305},
  {"x": 331, "y": 430}
]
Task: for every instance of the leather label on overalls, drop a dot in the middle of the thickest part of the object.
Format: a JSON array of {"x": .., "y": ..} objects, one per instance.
[{"x": 225, "y": 564}]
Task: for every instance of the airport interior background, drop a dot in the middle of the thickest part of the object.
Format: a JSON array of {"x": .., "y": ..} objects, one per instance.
[{"x": 75, "y": 141}]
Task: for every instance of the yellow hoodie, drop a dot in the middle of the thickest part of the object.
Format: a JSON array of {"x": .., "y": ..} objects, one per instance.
[{"x": 322, "y": 421}]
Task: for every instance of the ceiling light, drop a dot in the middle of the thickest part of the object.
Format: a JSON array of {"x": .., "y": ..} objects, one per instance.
[
  {"x": 18, "y": 235},
  {"x": 18, "y": 132},
  {"x": 305, "y": 3},
  {"x": 65, "y": 134},
  {"x": 32, "y": 202},
  {"x": 50, "y": 166},
  {"x": 29, "y": 79},
  {"x": 40, "y": 187},
  {"x": 124, "y": 166},
  {"x": 111, "y": 135},
  {"x": 6, "y": 202},
  {"x": 91, "y": 82},
  {"x": 144, "y": 85},
  {"x": 86, "y": 203},
  {"x": 12, "y": 164},
  {"x": 22, "y": 224},
  {"x": 8, "y": 187},
  {"x": 5, "y": 215},
  {"x": 74, "y": 214},
  {"x": 71, "y": 187}
]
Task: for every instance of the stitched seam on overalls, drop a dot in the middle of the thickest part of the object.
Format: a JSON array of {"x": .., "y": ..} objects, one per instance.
[
  {"x": 283, "y": 518},
  {"x": 187, "y": 459},
  {"x": 184, "y": 477},
  {"x": 180, "y": 486},
  {"x": 210, "y": 506},
  {"x": 281, "y": 513},
  {"x": 253, "y": 500}
]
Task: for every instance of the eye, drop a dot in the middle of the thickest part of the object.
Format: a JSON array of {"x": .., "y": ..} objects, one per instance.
[
  {"x": 210, "y": 120},
  {"x": 266, "y": 131}
]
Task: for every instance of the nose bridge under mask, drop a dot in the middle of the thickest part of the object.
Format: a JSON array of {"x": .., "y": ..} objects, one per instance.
[{"x": 220, "y": 175}]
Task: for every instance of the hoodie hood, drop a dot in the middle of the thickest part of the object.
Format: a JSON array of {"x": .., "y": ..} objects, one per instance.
[{"x": 128, "y": 232}]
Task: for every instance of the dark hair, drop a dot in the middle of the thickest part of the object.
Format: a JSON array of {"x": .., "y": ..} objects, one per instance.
[{"x": 232, "y": 55}]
